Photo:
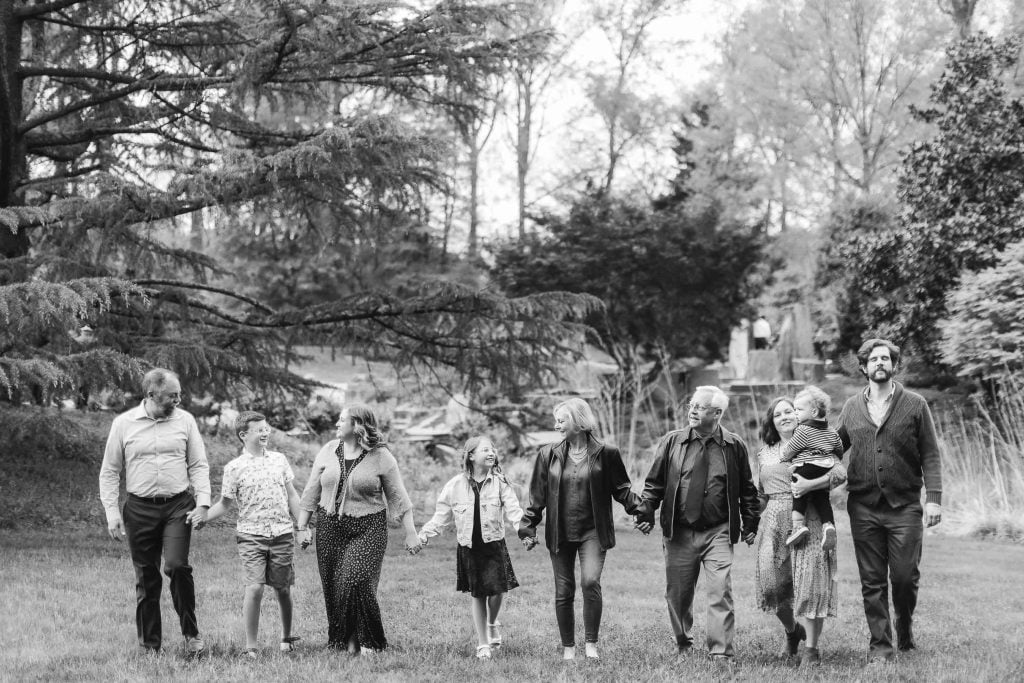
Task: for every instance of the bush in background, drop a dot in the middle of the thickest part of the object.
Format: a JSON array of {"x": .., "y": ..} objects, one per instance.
[{"x": 983, "y": 335}]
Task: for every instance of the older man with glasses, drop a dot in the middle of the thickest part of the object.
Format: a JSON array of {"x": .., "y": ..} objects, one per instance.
[{"x": 701, "y": 479}]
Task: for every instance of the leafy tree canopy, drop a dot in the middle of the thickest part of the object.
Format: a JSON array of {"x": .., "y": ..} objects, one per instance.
[
  {"x": 292, "y": 119},
  {"x": 671, "y": 281},
  {"x": 961, "y": 195}
]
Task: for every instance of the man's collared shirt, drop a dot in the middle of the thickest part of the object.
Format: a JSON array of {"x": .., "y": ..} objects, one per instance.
[
  {"x": 876, "y": 411},
  {"x": 715, "y": 508},
  {"x": 258, "y": 484},
  {"x": 160, "y": 457}
]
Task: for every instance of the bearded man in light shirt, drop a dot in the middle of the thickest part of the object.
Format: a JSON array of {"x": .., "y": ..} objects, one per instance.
[{"x": 162, "y": 454}]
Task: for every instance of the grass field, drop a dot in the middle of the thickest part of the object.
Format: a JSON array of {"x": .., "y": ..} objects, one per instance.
[{"x": 68, "y": 600}]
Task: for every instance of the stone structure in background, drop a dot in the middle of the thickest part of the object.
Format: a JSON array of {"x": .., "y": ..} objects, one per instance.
[
  {"x": 739, "y": 348},
  {"x": 701, "y": 377},
  {"x": 763, "y": 367},
  {"x": 796, "y": 342},
  {"x": 808, "y": 370}
]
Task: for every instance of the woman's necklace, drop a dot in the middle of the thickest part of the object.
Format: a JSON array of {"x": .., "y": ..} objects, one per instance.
[{"x": 577, "y": 453}]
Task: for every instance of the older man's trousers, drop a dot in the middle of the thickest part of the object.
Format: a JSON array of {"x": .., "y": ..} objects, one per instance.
[{"x": 686, "y": 554}]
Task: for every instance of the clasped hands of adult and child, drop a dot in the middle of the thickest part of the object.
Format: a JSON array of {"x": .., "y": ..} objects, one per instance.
[{"x": 305, "y": 539}]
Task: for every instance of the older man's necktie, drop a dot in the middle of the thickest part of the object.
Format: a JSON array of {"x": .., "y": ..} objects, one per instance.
[{"x": 698, "y": 480}]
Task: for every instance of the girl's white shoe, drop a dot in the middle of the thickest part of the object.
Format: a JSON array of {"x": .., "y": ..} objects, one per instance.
[
  {"x": 591, "y": 649},
  {"x": 483, "y": 651},
  {"x": 568, "y": 653}
]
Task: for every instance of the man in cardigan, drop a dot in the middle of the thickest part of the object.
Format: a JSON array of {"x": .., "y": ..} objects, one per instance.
[{"x": 892, "y": 451}]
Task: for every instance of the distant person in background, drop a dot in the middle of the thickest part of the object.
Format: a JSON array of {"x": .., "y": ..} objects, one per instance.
[
  {"x": 798, "y": 583},
  {"x": 893, "y": 452},
  {"x": 575, "y": 481},
  {"x": 353, "y": 485},
  {"x": 701, "y": 479},
  {"x": 762, "y": 332},
  {"x": 259, "y": 482},
  {"x": 158, "y": 446},
  {"x": 477, "y": 501}
]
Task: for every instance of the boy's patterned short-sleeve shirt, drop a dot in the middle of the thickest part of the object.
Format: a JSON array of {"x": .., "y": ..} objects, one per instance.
[{"x": 257, "y": 484}]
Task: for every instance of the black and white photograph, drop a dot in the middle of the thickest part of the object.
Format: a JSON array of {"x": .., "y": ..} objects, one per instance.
[{"x": 512, "y": 340}]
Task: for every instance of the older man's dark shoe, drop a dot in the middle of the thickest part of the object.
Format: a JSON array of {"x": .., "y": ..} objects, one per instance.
[
  {"x": 793, "y": 639},
  {"x": 905, "y": 639}
]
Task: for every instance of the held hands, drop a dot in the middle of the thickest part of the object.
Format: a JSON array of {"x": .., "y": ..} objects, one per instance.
[
  {"x": 529, "y": 542},
  {"x": 749, "y": 537},
  {"x": 197, "y": 518},
  {"x": 304, "y": 537},
  {"x": 412, "y": 543},
  {"x": 932, "y": 514},
  {"x": 641, "y": 525}
]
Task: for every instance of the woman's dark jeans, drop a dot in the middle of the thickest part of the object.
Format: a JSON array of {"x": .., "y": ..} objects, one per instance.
[{"x": 564, "y": 565}]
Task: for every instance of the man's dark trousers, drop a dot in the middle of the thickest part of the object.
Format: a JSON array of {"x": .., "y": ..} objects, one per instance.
[
  {"x": 155, "y": 526},
  {"x": 887, "y": 542}
]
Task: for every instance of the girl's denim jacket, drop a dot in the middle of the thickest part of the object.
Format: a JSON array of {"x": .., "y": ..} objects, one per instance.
[{"x": 455, "y": 503}]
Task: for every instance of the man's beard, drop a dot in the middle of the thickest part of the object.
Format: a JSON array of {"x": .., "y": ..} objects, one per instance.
[{"x": 886, "y": 375}]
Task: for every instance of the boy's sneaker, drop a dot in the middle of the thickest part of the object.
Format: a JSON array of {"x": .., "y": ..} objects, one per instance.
[
  {"x": 828, "y": 536},
  {"x": 798, "y": 536},
  {"x": 288, "y": 644}
]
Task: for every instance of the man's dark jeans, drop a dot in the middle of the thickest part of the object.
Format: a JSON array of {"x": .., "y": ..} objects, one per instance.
[
  {"x": 888, "y": 544},
  {"x": 154, "y": 528},
  {"x": 591, "y": 565}
]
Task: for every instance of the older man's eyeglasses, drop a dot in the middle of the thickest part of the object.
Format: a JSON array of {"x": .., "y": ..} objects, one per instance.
[{"x": 698, "y": 408}]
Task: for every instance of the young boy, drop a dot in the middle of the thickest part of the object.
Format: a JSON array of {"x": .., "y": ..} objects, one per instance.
[
  {"x": 260, "y": 482},
  {"x": 814, "y": 449}
]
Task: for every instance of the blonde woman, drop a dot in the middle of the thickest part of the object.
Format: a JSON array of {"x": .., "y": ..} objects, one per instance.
[
  {"x": 353, "y": 483},
  {"x": 477, "y": 501},
  {"x": 575, "y": 480}
]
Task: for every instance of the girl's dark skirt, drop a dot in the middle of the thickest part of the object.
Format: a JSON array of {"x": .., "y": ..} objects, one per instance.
[
  {"x": 485, "y": 569},
  {"x": 350, "y": 553}
]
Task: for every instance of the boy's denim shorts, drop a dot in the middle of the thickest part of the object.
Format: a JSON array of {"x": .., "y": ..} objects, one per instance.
[{"x": 267, "y": 560}]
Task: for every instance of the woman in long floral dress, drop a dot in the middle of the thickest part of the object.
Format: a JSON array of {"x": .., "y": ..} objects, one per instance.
[{"x": 796, "y": 583}]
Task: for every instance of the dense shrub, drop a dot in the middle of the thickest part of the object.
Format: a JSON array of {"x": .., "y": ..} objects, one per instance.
[{"x": 983, "y": 335}]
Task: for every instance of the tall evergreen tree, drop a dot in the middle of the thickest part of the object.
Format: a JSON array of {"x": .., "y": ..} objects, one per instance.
[{"x": 117, "y": 118}]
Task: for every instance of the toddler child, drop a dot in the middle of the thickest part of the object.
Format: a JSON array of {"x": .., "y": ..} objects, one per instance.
[
  {"x": 260, "y": 483},
  {"x": 814, "y": 449},
  {"x": 477, "y": 499}
]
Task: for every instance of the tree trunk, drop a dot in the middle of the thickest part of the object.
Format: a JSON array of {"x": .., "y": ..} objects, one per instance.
[
  {"x": 196, "y": 231},
  {"x": 523, "y": 133},
  {"x": 12, "y": 157},
  {"x": 474, "y": 182},
  {"x": 962, "y": 12}
]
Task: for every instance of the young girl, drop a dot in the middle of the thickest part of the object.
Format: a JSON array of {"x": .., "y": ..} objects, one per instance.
[{"x": 476, "y": 500}]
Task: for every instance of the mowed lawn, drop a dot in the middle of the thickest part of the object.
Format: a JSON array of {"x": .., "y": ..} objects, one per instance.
[{"x": 68, "y": 606}]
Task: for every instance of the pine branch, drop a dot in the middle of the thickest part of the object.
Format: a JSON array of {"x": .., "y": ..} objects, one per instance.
[{"x": 32, "y": 11}]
